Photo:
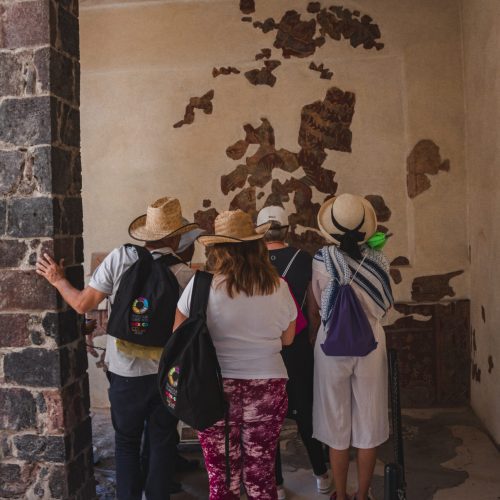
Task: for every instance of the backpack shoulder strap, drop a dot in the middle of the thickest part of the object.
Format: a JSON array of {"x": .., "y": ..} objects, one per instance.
[
  {"x": 142, "y": 252},
  {"x": 201, "y": 291},
  {"x": 170, "y": 259},
  {"x": 289, "y": 265}
]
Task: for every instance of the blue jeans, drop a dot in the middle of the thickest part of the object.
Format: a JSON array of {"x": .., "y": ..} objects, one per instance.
[{"x": 135, "y": 400}]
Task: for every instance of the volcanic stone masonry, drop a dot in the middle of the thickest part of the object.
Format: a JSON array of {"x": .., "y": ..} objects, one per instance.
[{"x": 45, "y": 443}]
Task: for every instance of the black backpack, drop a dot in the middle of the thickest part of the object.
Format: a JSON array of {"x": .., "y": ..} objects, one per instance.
[
  {"x": 190, "y": 379},
  {"x": 143, "y": 311}
]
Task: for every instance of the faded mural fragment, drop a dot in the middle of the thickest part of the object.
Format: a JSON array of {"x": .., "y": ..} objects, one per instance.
[
  {"x": 324, "y": 73},
  {"x": 229, "y": 70},
  {"x": 204, "y": 103},
  {"x": 423, "y": 160},
  {"x": 264, "y": 75},
  {"x": 433, "y": 288}
]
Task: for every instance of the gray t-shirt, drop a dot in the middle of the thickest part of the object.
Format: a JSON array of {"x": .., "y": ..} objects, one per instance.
[{"x": 106, "y": 279}]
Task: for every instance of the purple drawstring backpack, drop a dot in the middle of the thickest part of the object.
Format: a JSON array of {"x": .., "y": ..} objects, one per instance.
[{"x": 349, "y": 331}]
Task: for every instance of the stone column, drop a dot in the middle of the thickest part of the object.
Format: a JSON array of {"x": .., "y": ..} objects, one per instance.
[{"x": 45, "y": 442}]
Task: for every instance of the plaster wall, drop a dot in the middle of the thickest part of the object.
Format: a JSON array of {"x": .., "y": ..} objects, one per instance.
[
  {"x": 142, "y": 62},
  {"x": 481, "y": 25}
]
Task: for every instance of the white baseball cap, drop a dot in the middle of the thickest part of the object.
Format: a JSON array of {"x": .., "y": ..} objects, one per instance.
[{"x": 273, "y": 214}]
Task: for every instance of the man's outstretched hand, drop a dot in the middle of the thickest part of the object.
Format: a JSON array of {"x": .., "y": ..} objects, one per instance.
[{"x": 47, "y": 267}]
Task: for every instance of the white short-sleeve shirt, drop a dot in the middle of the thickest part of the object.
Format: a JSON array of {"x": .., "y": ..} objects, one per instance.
[
  {"x": 246, "y": 331},
  {"x": 106, "y": 279}
]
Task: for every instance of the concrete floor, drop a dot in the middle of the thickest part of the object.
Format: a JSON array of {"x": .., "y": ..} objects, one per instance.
[{"x": 448, "y": 457}]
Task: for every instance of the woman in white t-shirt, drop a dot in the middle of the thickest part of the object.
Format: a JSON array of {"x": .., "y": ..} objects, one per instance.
[{"x": 250, "y": 316}]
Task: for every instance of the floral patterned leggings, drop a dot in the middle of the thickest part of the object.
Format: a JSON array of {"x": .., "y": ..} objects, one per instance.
[{"x": 257, "y": 409}]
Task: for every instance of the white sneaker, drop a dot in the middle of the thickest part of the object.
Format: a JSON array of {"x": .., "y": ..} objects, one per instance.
[
  {"x": 323, "y": 483},
  {"x": 281, "y": 493}
]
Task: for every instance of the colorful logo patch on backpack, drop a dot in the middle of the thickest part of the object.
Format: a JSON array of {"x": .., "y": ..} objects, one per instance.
[
  {"x": 139, "y": 320},
  {"x": 171, "y": 386}
]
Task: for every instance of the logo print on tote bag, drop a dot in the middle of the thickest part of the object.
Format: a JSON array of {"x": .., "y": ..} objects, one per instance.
[
  {"x": 171, "y": 386},
  {"x": 139, "y": 320}
]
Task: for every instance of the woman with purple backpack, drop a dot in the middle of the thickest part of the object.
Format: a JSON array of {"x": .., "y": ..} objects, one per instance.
[{"x": 351, "y": 293}]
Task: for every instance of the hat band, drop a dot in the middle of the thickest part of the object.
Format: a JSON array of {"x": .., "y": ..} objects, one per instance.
[{"x": 349, "y": 238}]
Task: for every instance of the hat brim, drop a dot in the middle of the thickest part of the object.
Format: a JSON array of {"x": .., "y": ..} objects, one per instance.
[
  {"x": 138, "y": 231},
  {"x": 213, "y": 239},
  {"x": 189, "y": 238},
  {"x": 369, "y": 227}
]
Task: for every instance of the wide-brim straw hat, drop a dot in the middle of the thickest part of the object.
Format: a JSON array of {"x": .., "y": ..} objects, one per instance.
[
  {"x": 234, "y": 226},
  {"x": 349, "y": 211},
  {"x": 163, "y": 218}
]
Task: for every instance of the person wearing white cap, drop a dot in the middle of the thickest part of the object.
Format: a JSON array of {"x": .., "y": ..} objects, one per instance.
[
  {"x": 294, "y": 265},
  {"x": 351, "y": 292},
  {"x": 132, "y": 371}
]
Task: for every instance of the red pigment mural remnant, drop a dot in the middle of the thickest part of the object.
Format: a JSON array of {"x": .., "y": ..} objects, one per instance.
[
  {"x": 474, "y": 345},
  {"x": 423, "y": 160},
  {"x": 400, "y": 261},
  {"x": 338, "y": 22},
  {"x": 433, "y": 288},
  {"x": 263, "y": 54},
  {"x": 325, "y": 73},
  {"x": 246, "y": 19},
  {"x": 490, "y": 364},
  {"x": 396, "y": 276},
  {"x": 483, "y": 314},
  {"x": 225, "y": 71},
  {"x": 205, "y": 219},
  {"x": 236, "y": 179},
  {"x": 263, "y": 76},
  {"x": 268, "y": 25},
  {"x": 237, "y": 150},
  {"x": 246, "y": 201},
  {"x": 313, "y": 7},
  {"x": 381, "y": 209},
  {"x": 325, "y": 125},
  {"x": 204, "y": 103},
  {"x": 247, "y": 6},
  {"x": 296, "y": 37},
  {"x": 207, "y": 203}
]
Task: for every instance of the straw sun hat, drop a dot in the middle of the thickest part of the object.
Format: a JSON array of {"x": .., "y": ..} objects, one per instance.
[
  {"x": 347, "y": 213},
  {"x": 234, "y": 226},
  {"x": 163, "y": 218}
]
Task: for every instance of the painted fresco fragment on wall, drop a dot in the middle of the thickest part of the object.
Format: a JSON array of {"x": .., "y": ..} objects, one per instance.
[
  {"x": 396, "y": 275},
  {"x": 400, "y": 261},
  {"x": 264, "y": 75},
  {"x": 325, "y": 125},
  {"x": 246, "y": 19},
  {"x": 433, "y": 288},
  {"x": 295, "y": 37},
  {"x": 338, "y": 22},
  {"x": 483, "y": 314},
  {"x": 247, "y": 6},
  {"x": 381, "y": 209},
  {"x": 268, "y": 25},
  {"x": 204, "y": 103},
  {"x": 324, "y": 73},
  {"x": 207, "y": 203},
  {"x": 424, "y": 160},
  {"x": 225, "y": 71},
  {"x": 205, "y": 219},
  {"x": 263, "y": 54},
  {"x": 313, "y": 7}
]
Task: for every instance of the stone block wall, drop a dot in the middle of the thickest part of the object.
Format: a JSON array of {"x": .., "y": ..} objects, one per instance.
[{"x": 45, "y": 444}]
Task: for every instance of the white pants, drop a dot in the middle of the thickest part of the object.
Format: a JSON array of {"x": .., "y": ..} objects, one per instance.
[{"x": 351, "y": 397}]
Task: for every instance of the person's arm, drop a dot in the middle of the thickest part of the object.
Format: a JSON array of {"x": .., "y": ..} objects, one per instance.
[
  {"x": 288, "y": 335},
  {"x": 81, "y": 301},
  {"x": 179, "y": 319},
  {"x": 313, "y": 315}
]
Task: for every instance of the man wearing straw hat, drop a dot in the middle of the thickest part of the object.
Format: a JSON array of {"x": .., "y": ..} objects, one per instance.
[{"x": 133, "y": 389}]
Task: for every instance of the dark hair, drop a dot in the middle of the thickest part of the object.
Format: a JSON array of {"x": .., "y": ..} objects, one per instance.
[{"x": 246, "y": 268}]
